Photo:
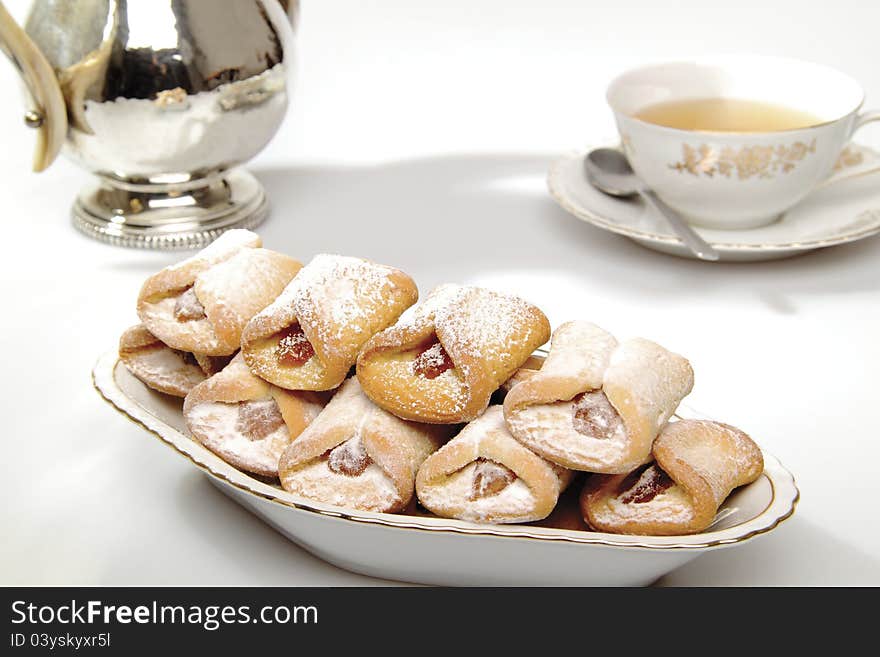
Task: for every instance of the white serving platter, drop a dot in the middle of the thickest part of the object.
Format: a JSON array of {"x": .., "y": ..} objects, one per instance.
[{"x": 418, "y": 547}]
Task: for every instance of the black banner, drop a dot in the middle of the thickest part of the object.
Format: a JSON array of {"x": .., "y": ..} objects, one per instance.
[{"x": 122, "y": 620}]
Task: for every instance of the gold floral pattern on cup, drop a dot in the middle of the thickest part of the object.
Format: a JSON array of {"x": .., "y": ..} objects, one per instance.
[
  {"x": 849, "y": 157},
  {"x": 747, "y": 162}
]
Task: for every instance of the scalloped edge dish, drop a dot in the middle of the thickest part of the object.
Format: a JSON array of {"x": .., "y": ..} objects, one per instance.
[{"x": 426, "y": 549}]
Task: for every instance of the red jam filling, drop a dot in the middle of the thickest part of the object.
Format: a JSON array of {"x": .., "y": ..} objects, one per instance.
[
  {"x": 644, "y": 484},
  {"x": 432, "y": 361},
  {"x": 294, "y": 347}
]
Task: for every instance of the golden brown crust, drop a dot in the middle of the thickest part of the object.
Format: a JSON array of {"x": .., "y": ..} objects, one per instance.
[
  {"x": 442, "y": 487},
  {"x": 156, "y": 364},
  {"x": 338, "y": 303},
  {"x": 524, "y": 373},
  {"x": 395, "y": 446},
  {"x": 487, "y": 337},
  {"x": 232, "y": 279},
  {"x": 579, "y": 356},
  {"x": 704, "y": 460},
  {"x": 210, "y": 413},
  {"x": 184, "y": 273},
  {"x": 642, "y": 382},
  {"x": 235, "y": 383},
  {"x": 137, "y": 337}
]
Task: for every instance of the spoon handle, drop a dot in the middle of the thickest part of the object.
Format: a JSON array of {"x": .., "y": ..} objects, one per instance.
[{"x": 694, "y": 242}]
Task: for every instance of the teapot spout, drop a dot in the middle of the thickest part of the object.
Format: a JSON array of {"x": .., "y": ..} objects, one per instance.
[{"x": 48, "y": 112}]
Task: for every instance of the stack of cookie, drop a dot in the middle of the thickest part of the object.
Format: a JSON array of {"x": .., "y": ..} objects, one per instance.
[{"x": 327, "y": 379}]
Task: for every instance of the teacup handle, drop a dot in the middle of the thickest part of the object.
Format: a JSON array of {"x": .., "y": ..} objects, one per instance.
[
  {"x": 856, "y": 169},
  {"x": 863, "y": 118}
]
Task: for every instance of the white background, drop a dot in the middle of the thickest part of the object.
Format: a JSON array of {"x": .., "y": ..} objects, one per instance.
[{"x": 419, "y": 136}]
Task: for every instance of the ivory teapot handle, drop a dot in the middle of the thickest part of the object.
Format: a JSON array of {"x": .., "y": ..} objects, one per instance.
[{"x": 48, "y": 112}]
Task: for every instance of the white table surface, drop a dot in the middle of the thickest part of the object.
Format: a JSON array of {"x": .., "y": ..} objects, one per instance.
[{"x": 420, "y": 137}]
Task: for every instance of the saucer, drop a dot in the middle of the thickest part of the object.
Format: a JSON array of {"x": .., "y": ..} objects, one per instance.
[{"x": 843, "y": 209}]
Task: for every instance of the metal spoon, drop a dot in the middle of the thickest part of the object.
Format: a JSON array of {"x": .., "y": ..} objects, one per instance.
[{"x": 609, "y": 171}]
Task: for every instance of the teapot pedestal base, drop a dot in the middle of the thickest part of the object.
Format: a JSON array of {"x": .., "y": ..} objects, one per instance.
[{"x": 169, "y": 212}]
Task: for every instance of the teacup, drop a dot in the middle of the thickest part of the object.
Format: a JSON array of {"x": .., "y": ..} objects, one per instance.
[{"x": 737, "y": 180}]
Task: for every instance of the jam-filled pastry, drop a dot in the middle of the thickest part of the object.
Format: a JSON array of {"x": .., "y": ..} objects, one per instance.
[
  {"x": 246, "y": 421},
  {"x": 358, "y": 456},
  {"x": 485, "y": 475},
  {"x": 310, "y": 336},
  {"x": 697, "y": 464},
  {"x": 202, "y": 304},
  {"x": 162, "y": 368},
  {"x": 597, "y": 405},
  {"x": 443, "y": 362}
]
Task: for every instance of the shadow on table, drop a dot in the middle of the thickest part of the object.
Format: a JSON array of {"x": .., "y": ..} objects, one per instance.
[
  {"x": 492, "y": 212},
  {"x": 771, "y": 560}
]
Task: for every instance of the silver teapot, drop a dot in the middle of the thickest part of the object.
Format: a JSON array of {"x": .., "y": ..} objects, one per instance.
[{"x": 162, "y": 100}]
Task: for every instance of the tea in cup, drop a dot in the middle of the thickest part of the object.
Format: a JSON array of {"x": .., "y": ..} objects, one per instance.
[{"x": 732, "y": 142}]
